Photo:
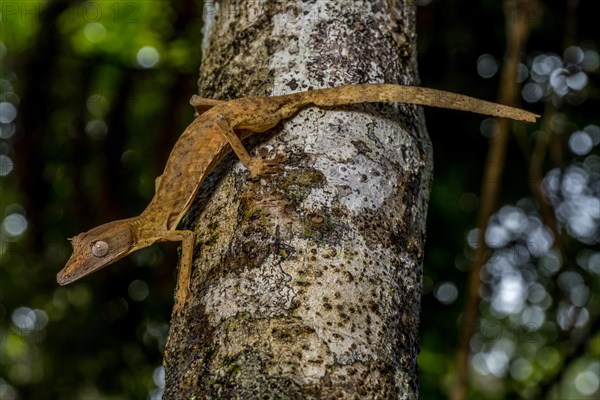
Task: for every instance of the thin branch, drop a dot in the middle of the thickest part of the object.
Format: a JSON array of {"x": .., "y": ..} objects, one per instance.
[
  {"x": 517, "y": 14},
  {"x": 536, "y": 167}
]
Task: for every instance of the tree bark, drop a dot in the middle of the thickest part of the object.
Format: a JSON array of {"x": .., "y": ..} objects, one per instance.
[{"x": 307, "y": 284}]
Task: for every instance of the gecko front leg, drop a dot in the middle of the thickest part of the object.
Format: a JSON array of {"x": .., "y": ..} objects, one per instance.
[
  {"x": 185, "y": 264},
  {"x": 257, "y": 166}
]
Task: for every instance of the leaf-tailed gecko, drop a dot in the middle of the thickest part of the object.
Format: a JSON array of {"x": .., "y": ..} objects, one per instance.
[{"x": 219, "y": 128}]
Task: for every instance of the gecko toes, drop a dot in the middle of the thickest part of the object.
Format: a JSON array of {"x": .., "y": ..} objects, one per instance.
[{"x": 261, "y": 167}]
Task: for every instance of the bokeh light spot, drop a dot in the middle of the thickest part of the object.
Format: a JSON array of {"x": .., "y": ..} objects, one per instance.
[
  {"x": 147, "y": 57},
  {"x": 446, "y": 293},
  {"x": 532, "y": 92},
  {"x": 8, "y": 112},
  {"x": 487, "y": 66},
  {"x": 94, "y": 32},
  {"x": 591, "y": 60},
  {"x": 573, "y": 55},
  {"x": 14, "y": 225},
  {"x": 522, "y": 72},
  {"x": 521, "y": 369},
  {"x": 577, "y": 81},
  {"x": 489, "y": 127},
  {"x": 96, "y": 129},
  {"x": 580, "y": 143},
  {"x": 138, "y": 290},
  {"x": 6, "y": 165},
  {"x": 7, "y": 131},
  {"x": 594, "y": 132},
  {"x": 587, "y": 382}
]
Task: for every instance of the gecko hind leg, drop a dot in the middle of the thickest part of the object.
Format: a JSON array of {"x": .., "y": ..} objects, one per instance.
[
  {"x": 257, "y": 166},
  {"x": 202, "y": 104}
]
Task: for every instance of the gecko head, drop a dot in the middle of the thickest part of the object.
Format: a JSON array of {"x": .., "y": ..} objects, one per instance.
[{"x": 97, "y": 248}]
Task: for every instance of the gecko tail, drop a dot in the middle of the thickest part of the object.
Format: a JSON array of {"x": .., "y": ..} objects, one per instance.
[{"x": 376, "y": 93}]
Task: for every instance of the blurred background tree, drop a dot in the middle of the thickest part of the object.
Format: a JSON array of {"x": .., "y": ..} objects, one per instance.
[{"x": 94, "y": 94}]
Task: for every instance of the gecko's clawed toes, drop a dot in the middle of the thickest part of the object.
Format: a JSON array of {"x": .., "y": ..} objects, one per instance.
[
  {"x": 261, "y": 167},
  {"x": 180, "y": 301}
]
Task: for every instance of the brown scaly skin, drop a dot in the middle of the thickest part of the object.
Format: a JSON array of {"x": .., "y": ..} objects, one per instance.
[{"x": 218, "y": 129}]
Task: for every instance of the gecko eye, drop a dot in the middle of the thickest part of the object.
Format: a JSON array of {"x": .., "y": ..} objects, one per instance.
[{"x": 100, "y": 248}]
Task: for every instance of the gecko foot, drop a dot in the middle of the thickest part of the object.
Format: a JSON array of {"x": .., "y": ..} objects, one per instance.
[
  {"x": 180, "y": 300},
  {"x": 260, "y": 167},
  {"x": 182, "y": 294}
]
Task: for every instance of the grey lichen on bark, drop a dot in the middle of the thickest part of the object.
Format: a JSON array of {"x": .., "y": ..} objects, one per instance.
[{"x": 307, "y": 284}]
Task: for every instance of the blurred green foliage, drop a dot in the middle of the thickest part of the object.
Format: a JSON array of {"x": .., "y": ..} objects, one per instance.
[
  {"x": 103, "y": 125},
  {"x": 101, "y": 92}
]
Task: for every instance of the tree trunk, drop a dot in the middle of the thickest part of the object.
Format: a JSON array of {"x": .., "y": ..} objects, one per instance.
[{"x": 307, "y": 284}]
